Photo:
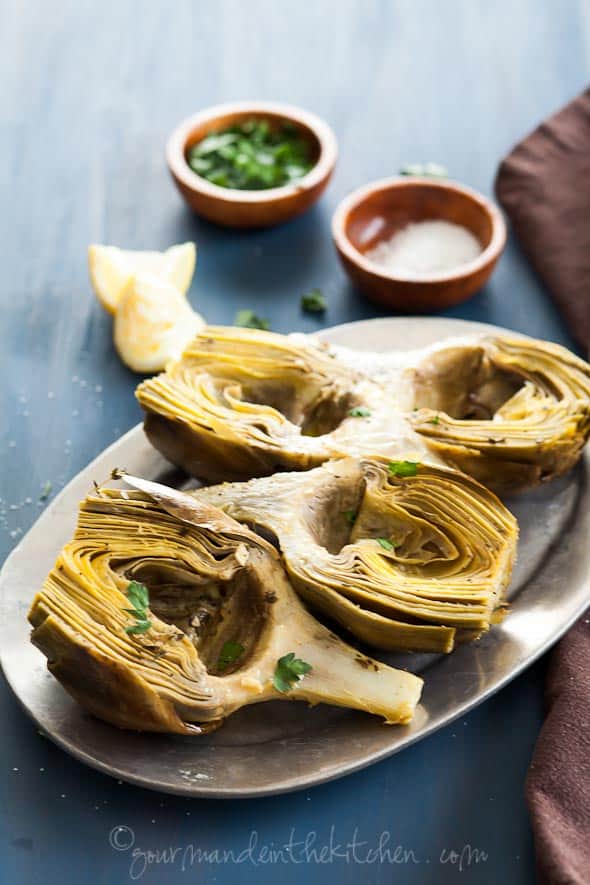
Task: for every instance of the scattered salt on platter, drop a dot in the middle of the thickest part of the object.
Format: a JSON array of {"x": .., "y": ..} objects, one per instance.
[{"x": 424, "y": 248}]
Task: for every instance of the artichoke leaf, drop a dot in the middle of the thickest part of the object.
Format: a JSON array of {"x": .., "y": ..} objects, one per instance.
[
  {"x": 440, "y": 575},
  {"x": 213, "y": 585}
]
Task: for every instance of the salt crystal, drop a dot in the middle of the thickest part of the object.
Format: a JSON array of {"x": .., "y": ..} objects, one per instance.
[{"x": 425, "y": 248}]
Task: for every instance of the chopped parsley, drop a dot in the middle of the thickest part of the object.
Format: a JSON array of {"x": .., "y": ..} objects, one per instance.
[
  {"x": 252, "y": 155},
  {"x": 434, "y": 420},
  {"x": 350, "y": 516},
  {"x": 46, "y": 491},
  {"x": 359, "y": 412},
  {"x": 403, "y": 468},
  {"x": 247, "y": 319},
  {"x": 289, "y": 671},
  {"x": 229, "y": 654},
  {"x": 313, "y": 301},
  {"x": 386, "y": 544},
  {"x": 424, "y": 170},
  {"x": 139, "y": 597}
]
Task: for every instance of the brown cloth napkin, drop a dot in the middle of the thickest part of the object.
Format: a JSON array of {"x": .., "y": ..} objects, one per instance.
[
  {"x": 544, "y": 187},
  {"x": 558, "y": 783}
]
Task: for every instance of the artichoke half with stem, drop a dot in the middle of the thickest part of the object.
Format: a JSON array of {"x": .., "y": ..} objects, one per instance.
[
  {"x": 405, "y": 556},
  {"x": 512, "y": 412},
  {"x": 243, "y": 403},
  {"x": 164, "y": 614}
]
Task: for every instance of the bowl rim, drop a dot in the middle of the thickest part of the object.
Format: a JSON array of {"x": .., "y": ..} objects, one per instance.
[
  {"x": 354, "y": 199},
  {"x": 175, "y": 152}
]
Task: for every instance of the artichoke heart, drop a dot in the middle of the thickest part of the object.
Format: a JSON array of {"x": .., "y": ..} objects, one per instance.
[
  {"x": 222, "y": 615},
  {"x": 512, "y": 412},
  {"x": 405, "y": 556},
  {"x": 243, "y": 403}
]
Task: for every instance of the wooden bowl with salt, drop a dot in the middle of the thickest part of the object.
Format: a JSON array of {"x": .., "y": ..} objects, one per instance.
[{"x": 418, "y": 244}]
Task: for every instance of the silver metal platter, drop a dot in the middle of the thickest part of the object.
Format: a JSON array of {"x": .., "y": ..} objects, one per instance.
[{"x": 253, "y": 754}]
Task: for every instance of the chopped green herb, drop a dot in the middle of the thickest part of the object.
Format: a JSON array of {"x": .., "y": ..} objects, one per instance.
[
  {"x": 424, "y": 170},
  {"x": 139, "y": 597},
  {"x": 249, "y": 320},
  {"x": 289, "y": 671},
  {"x": 46, "y": 491},
  {"x": 313, "y": 301},
  {"x": 359, "y": 412},
  {"x": 253, "y": 155},
  {"x": 229, "y": 654},
  {"x": 140, "y": 627},
  {"x": 350, "y": 516},
  {"x": 435, "y": 420},
  {"x": 387, "y": 545},
  {"x": 403, "y": 468}
]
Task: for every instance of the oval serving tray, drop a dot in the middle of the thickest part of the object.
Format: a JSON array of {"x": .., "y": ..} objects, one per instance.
[{"x": 253, "y": 754}]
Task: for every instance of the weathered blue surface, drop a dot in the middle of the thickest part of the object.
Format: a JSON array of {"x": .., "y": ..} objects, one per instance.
[{"x": 89, "y": 94}]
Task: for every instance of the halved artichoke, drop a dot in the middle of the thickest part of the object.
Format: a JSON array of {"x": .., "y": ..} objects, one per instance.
[
  {"x": 222, "y": 616},
  {"x": 405, "y": 556},
  {"x": 243, "y": 403},
  {"x": 511, "y": 412}
]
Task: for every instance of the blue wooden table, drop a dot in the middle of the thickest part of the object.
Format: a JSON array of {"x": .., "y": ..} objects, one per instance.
[{"x": 89, "y": 94}]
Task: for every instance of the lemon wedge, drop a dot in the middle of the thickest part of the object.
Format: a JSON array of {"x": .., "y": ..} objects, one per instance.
[
  {"x": 153, "y": 324},
  {"x": 111, "y": 269}
]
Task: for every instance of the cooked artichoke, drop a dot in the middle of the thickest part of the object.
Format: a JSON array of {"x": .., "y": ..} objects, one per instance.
[
  {"x": 512, "y": 412},
  {"x": 243, "y": 403},
  {"x": 213, "y": 585},
  {"x": 405, "y": 556}
]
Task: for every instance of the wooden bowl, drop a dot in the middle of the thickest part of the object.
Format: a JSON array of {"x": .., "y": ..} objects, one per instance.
[
  {"x": 243, "y": 208},
  {"x": 375, "y": 212}
]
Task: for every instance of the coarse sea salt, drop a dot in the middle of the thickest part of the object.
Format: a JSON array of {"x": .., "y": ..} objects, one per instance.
[{"x": 424, "y": 248}]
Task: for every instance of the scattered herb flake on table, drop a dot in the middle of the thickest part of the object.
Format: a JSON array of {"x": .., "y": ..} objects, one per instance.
[
  {"x": 313, "y": 301},
  {"x": 252, "y": 155},
  {"x": 247, "y": 319},
  {"x": 424, "y": 170},
  {"x": 46, "y": 491}
]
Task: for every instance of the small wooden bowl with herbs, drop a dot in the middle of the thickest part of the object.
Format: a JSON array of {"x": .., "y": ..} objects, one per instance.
[{"x": 251, "y": 164}]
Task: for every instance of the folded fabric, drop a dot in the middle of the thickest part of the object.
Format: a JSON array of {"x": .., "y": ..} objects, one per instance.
[
  {"x": 544, "y": 187},
  {"x": 558, "y": 783}
]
